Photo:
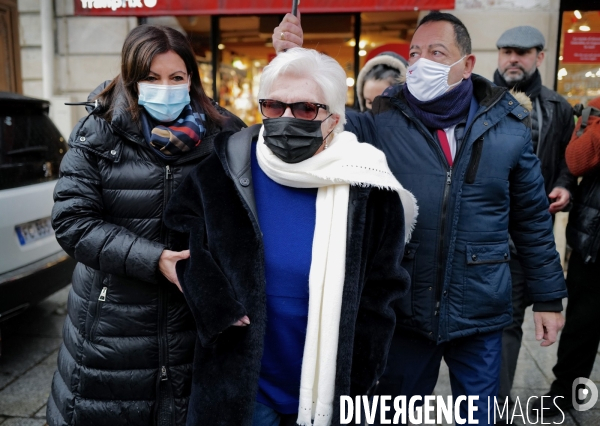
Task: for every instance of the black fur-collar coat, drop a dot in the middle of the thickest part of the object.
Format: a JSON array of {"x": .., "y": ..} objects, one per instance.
[{"x": 224, "y": 280}]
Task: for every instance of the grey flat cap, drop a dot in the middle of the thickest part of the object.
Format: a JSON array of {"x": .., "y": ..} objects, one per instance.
[{"x": 524, "y": 37}]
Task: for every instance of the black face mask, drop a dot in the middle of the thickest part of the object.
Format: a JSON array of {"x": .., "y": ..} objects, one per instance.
[{"x": 293, "y": 140}]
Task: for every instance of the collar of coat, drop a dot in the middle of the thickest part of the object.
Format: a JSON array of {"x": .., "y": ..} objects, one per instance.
[
  {"x": 486, "y": 95},
  {"x": 236, "y": 161}
]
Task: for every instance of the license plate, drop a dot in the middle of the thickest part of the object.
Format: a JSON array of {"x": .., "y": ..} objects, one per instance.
[{"x": 36, "y": 230}]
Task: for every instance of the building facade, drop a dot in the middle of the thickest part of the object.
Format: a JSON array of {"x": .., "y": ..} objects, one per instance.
[{"x": 64, "y": 54}]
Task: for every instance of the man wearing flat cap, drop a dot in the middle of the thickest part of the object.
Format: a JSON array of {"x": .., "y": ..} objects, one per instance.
[{"x": 520, "y": 54}]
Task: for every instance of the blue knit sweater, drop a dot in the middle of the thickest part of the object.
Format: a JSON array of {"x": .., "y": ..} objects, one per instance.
[{"x": 287, "y": 220}]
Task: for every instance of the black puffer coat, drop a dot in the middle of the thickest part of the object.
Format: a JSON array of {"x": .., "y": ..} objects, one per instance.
[{"x": 128, "y": 336}]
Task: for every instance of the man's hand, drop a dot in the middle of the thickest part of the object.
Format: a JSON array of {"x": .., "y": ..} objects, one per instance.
[
  {"x": 547, "y": 326},
  {"x": 560, "y": 199},
  {"x": 166, "y": 264},
  {"x": 288, "y": 34}
]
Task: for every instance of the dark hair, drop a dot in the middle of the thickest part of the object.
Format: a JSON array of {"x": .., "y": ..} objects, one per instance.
[
  {"x": 463, "y": 39},
  {"x": 384, "y": 72},
  {"x": 142, "y": 44}
]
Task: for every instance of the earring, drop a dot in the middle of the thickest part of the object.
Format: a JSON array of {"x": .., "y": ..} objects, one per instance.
[{"x": 326, "y": 144}]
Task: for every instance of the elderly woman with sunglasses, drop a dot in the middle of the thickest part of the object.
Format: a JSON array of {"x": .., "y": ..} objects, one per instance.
[{"x": 296, "y": 233}]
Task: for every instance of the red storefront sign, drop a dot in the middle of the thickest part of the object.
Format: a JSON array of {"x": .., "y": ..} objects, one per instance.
[
  {"x": 401, "y": 49},
  {"x": 581, "y": 47},
  {"x": 247, "y": 7}
]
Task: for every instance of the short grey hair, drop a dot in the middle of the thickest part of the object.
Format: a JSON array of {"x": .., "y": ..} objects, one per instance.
[{"x": 308, "y": 63}]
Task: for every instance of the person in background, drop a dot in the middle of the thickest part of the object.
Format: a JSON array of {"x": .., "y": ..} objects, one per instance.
[
  {"x": 520, "y": 54},
  {"x": 578, "y": 345},
  {"x": 297, "y": 232},
  {"x": 463, "y": 147},
  {"x": 384, "y": 70},
  {"x": 128, "y": 339}
]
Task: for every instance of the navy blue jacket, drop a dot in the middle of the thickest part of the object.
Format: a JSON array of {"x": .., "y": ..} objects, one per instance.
[{"x": 458, "y": 256}]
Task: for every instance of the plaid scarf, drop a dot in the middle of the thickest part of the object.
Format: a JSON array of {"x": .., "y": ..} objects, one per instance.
[{"x": 170, "y": 142}]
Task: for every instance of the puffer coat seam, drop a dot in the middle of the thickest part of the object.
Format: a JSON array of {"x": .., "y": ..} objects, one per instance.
[{"x": 127, "y": 254}]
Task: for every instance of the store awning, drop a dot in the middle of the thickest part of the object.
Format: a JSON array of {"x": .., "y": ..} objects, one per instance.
[{"x": 247, "y": 7}]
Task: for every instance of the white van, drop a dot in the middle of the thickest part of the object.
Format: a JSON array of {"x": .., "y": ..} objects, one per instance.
[{"x": 32, "y": 264}]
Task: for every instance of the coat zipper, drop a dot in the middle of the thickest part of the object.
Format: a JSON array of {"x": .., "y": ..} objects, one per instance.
[
  {"x": 474, "y": 163},
  {"x": 439, "y": 284},
  {"x": 168, "y": 186},
  {"x": 441, "y": 258},
  {"x": 101, "y": 298},
  {"x": 162, "y": 334},
  {"x": 164, "y": 392}
]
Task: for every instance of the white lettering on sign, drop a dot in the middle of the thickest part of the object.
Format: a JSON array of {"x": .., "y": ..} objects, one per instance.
[{"x": 117, "y": 4}]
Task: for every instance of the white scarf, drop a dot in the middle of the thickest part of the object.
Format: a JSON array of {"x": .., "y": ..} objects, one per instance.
[{"x": 345, "y": 162}]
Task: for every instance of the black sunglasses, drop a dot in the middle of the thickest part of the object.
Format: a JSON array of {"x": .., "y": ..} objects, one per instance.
[{"x": 303, "y": 110}]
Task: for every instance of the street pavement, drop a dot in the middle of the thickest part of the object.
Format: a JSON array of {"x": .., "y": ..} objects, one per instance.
[
  {"x": 30, "y": 345},
  {"x": 533, "y": 378}
]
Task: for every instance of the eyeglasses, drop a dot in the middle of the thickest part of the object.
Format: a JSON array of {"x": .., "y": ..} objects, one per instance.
[{"x": 303, "y": 110}]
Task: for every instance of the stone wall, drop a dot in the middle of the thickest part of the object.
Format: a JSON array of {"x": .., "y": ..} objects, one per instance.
[
  {"x": 86, "y": 53},
  {"x": 30, "y": 39},
  {"x": 87, "y": 49},
  {"x": 486, "y": 20}
]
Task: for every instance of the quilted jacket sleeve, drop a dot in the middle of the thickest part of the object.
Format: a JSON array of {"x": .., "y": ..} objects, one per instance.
[
  {"x": 78, "y": 221},
  {"x": 386, "y": 281},
  {"x": 531, "y": 228},
  {"x": 207, "y": 290},
  {"x": 362, "y": 125}
]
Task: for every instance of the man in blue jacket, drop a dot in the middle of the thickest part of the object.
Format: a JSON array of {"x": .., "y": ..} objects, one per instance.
[{"x": 463, "y": 147}]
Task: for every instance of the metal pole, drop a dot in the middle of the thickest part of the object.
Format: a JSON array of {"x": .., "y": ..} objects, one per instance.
[
  {"x": 561, "y": 10},
  {"x": 357, "y": 23},
  {"x": 47, "y": 33},
  {"x": 214, "y": 48}
]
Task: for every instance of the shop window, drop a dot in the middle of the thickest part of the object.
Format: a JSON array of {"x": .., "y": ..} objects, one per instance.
[
  {"x": 578, "y": 75},
  {"x": 245, "y": 48}
]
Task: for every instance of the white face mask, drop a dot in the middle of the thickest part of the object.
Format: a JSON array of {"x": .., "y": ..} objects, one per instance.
[
  {"x": 163, "y": 102},
  {"x": 427, "y": 79}
]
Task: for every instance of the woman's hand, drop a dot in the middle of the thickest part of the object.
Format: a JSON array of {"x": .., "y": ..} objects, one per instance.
[
  {"x": 288, "y": 34},
  {"x": 243, "y": 322},
  {"x": 166, "y": 264}
]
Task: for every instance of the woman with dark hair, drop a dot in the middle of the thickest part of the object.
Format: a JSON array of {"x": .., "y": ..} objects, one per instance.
[{"x": 129, "y": 337}]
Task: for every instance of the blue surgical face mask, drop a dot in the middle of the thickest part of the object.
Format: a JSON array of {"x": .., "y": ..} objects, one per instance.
[{"x": 163, "y": 102}]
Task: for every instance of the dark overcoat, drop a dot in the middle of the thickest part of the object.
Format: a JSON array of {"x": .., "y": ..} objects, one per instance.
[
  {"x": 557, "y": 128},
  {"x": 225, "y": 279},
  {"x": 128, "y": 339}
]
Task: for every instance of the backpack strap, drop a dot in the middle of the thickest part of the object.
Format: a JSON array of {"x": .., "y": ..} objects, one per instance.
[{"x": 585, "y": 115}]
